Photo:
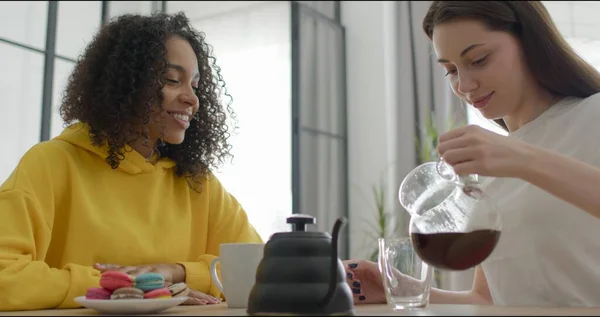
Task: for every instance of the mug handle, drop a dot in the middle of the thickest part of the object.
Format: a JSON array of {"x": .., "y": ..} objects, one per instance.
[{"x": 214, "y": 276}]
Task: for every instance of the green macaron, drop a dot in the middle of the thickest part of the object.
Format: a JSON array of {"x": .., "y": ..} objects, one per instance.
[{"x": 149, "y": 281}]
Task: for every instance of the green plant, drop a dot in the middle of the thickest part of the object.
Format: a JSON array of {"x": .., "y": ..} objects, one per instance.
[
  {"x": 427, "y": 140},
  {"x": 382, "y": 223},
  {"x": 383, "y": 217}
]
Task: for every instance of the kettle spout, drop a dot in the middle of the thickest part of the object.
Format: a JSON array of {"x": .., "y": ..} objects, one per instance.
[{"x": 334, "y": 261}]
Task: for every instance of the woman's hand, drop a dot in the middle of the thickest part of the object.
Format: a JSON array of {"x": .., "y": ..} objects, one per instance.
[
  {"x": 198, "y": 298},
  {"x": 364, "y": 280},
  {"x": 475, "y": 150},
  {"x": 173, "y": 273}
]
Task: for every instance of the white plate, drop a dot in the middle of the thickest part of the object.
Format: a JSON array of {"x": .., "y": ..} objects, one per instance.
[{"x": 130, "y": 306}]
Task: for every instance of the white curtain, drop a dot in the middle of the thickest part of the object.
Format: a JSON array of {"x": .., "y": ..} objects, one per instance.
[{"x": 252, "y": 47}]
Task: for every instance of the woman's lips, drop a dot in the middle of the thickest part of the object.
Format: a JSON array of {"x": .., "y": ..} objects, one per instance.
[
  {"x": 182, "y": 120},
  {"x": 483, "y": 101}
]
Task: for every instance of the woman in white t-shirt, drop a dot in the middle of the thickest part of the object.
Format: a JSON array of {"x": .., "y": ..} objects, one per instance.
[{"x": 508, "y": 60}]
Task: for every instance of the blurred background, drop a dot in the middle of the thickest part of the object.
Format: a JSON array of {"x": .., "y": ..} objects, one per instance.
[{"x": 336, "y": 100}]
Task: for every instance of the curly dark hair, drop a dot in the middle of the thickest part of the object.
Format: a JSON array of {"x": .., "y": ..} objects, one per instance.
[{"x": 118, "y": 80}]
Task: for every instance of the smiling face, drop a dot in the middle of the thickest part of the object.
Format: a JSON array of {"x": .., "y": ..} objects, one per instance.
[
  {"x": 179, "y": 91},
  {"x": 486, "y": 69}
]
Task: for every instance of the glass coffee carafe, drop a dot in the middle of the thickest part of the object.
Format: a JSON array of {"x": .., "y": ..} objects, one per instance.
[{"x": 454, "y": 225}]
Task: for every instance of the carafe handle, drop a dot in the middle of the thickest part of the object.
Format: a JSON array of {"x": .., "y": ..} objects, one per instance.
[{"x": 469, "y": 184}]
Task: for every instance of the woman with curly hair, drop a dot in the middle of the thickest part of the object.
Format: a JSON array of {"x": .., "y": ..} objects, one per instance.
[{"x": 127, "y": 185}]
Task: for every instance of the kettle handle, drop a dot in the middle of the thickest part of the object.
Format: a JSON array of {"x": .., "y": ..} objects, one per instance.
[{"x": 334, "y": 261}]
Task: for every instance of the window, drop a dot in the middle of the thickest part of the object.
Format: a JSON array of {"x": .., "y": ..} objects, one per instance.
[
  {"x": 116, "y": 8},
  {"x": 24, "y": 22},
  {"x": 252, "y": 47},
  {"x": 75, "y": 31},
  {"x": 62, "y": 71},
  {"x": 260, "y": 174},
  {"x": 204, "y": 10},
  {"x": 78, "y": 22},
  {"x": 20, "y": 88}
]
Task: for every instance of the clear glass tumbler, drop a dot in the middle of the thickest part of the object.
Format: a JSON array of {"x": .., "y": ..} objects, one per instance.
[{"x": 406, "y": 278}]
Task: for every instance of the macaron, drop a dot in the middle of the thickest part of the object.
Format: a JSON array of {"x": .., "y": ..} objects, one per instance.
[
  {"x": 127, "y": 293},
  {"x": 158, "y": 294},
  {"x": 179, "y": 290},
  {"x": 97, "y": 293},
  {"x": 112, "y": 280},
  {"x": 149, "y": 281}
]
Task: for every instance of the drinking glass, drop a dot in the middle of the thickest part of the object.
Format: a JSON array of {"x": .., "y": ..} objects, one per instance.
[{"x": 406, "y": 278}]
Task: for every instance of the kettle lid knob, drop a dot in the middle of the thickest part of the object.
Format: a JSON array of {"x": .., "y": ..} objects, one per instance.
[{"x": 299, "y": 221}]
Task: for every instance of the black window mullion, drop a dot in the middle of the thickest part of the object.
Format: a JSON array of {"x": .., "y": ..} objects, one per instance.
[
  {"x": 104, "y": 15},
  {"x": 48, "y": 82}
]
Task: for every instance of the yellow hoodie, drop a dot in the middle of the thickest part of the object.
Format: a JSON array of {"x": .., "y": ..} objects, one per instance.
[{"x": 64, "y": 209}]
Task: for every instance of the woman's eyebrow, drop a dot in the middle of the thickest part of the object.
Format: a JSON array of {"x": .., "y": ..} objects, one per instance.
[
  {"x": 181, "y": 69},
  {"x": 463, "y": 53}
]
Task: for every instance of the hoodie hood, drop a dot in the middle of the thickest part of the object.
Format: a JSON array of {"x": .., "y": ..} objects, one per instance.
[{"x": 134, "y": 163}]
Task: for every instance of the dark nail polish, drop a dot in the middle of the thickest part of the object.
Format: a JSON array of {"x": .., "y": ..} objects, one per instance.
[
  {"x": 356, "y": 290},
  {"x": 361, "y": 297},
  {"x": 349, "y": 275},
  {"x": 353, "y": 265},
  {"x": 356, "y": 284}
]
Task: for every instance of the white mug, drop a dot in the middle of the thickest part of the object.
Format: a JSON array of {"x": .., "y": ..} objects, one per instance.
[{"x": 239, "y": 262}]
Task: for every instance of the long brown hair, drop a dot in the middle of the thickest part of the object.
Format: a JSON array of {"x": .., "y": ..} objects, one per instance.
[{"x": 550, "y": 58}]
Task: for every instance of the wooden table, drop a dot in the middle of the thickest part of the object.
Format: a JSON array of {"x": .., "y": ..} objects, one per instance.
[{"x": 361, "y": 310}]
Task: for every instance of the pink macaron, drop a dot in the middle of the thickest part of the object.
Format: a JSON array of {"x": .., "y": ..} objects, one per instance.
[
  {"x": 158, "y": 293},
  {"x": 112, "y": 280},
  {"x": 97, "y": 293}
]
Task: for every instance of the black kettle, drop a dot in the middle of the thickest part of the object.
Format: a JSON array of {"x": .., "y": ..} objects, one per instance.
[{"x": 300, "y": 274}]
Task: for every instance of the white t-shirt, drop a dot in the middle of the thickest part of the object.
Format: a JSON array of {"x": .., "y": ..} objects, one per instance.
[{"x": 549, "y": 250}]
